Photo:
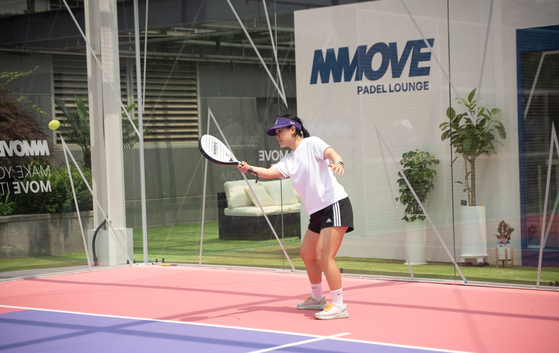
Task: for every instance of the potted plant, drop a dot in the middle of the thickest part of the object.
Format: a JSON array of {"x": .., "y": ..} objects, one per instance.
[
  {"x": 503, "y": 233},
  {"x": 417, "y": 167},
  {"x": 472, "y": 134},
  {"x": 472, "y": 139},
  {"x": 504, "y": 251}
]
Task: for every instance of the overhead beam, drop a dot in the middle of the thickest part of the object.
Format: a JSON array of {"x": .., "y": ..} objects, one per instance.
[{"x": 58, "y": 24}]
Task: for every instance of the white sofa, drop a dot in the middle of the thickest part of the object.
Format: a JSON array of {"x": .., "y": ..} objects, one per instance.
[{"x": 241, "y": 218}]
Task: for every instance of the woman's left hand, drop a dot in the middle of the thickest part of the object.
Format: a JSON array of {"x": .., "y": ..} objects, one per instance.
[{"x": 337, "y": 168}]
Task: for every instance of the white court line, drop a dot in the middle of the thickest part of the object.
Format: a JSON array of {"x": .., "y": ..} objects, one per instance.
[
  {"x": 317, "y": 337},
  {"x": 300, "y": 343},
  {"x": 157, "y": 320}
]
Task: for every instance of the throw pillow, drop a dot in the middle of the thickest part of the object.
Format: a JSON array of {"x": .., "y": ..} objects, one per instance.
[
  {"x": 288, "y": 197},
  {"x": 236, "y": 195},
  {"x": 261, "y": 194}
]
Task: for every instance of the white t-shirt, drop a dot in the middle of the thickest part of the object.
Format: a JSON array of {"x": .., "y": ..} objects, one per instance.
[{"x": 310, "y": 175}]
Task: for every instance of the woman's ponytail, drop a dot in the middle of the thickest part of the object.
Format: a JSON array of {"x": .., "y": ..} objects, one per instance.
[{"x": 304, "y": 132}]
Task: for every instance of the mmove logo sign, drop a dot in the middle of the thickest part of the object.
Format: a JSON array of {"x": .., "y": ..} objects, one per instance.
[
  {"x": 361, "y": 64},
  {"x": 20, "y": 149},
  {"x": 24, "y": 148}
]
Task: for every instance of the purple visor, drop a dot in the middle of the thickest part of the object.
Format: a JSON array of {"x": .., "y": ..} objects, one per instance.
[{"x": 282, "y": 122}]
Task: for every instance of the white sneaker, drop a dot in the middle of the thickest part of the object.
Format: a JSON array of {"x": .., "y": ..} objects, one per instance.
[
  {"x": 312, "y": 304},
  {"x": 332, "y": 312}
]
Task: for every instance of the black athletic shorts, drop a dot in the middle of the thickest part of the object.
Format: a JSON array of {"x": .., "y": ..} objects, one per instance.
[{"x": 338, "y": 214}]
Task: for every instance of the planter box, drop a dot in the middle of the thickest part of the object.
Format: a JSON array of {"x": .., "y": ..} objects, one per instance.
[
  {"x": 415, "y": 235},
  {"x": 42, "y": 234},
  {"x": 473, "y": 240}
]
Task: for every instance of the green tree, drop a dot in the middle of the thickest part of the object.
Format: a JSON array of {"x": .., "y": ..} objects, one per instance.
[
  {"x": 77, "y": 128},
  {"x": 472, "y": 139}
]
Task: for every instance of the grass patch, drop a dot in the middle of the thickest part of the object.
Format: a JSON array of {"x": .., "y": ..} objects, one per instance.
[
  {"x": 38, "y": 262},
  {"x": 181, "y": 244}
]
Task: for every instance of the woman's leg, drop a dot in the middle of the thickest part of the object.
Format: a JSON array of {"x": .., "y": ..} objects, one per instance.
[
  {"x": 326, "y": 249},
  {"x": 316, "y": 300},
  {"x": 308, "y": 255}
]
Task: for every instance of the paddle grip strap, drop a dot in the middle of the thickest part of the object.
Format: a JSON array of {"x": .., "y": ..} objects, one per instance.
[{"x": 251, "y": 171}]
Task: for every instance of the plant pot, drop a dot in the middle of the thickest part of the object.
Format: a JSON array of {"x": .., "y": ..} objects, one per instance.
[
  {"x": 503, "y": 252},
  {"x": 473, "y": 239},
  {"x": 415, "y": 234}
]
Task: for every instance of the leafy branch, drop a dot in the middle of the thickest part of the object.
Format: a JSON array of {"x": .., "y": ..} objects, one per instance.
[
  {"x": 472, "y": 139},
  {"x": 77, "y": 129},
  {"x": 416, "y": 166}
]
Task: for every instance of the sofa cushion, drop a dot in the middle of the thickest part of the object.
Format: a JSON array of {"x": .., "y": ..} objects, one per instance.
[
  {"x": 236, "y": 195},
  {"x": 261, "y": 194},
  {"x": 273, "y": 188},
  {"x": 257, "y": 212}
]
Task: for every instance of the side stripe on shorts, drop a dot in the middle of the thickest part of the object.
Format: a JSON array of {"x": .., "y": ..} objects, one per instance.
[{"x": 337, "y": 217}]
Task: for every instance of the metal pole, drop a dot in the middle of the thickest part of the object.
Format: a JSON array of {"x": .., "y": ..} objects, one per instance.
[
  {"x": 64, "y": 147},
  {"x": 544, "y": 213},
  {"x": 141, "y": 130},
  {"x": 95, "y": 103},
  {"x": 112, "y": 113}
]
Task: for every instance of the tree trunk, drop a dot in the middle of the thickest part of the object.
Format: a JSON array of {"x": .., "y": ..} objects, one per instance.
[
  {"x": 467, "y": 183},
  {"x": 472, "y": 160}
]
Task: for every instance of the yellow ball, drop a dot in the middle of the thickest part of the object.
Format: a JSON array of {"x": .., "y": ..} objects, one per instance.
[{"x": 54, "y": 124}]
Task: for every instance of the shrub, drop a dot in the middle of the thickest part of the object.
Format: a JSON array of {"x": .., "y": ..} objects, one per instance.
[
  {"x": 17, "y": 121},
  {"x": 60, "y": 198},
  {"x": 417, "y": 167},
  {"x": 6, "y": 206}
]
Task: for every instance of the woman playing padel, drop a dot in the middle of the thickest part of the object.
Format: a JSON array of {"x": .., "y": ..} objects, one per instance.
[{"x": 327, "y": 203}]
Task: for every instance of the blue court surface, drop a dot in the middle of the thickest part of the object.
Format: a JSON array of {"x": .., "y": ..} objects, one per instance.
[{"x": 55, "y": 331}]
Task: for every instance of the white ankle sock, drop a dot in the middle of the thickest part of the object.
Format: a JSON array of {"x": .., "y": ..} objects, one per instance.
[
  {"x": 337, "y": 298},
  {"x": 316, "y": 290}
]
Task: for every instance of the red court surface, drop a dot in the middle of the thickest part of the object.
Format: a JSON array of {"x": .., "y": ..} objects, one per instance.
[{"x": 405, "y": 313}]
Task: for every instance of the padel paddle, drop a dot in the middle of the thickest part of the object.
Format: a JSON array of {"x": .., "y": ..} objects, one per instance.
[{"x": 216, "y": 152}]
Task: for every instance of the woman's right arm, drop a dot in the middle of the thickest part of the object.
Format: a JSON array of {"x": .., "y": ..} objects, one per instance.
[{"x": 266, "y": 173}]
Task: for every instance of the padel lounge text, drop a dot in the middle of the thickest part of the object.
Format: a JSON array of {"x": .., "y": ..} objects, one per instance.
[{"x": 394, "y": 88}]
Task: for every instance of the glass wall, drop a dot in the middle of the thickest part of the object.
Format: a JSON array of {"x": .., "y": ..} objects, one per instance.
[{"x": 458, "y": 97}]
